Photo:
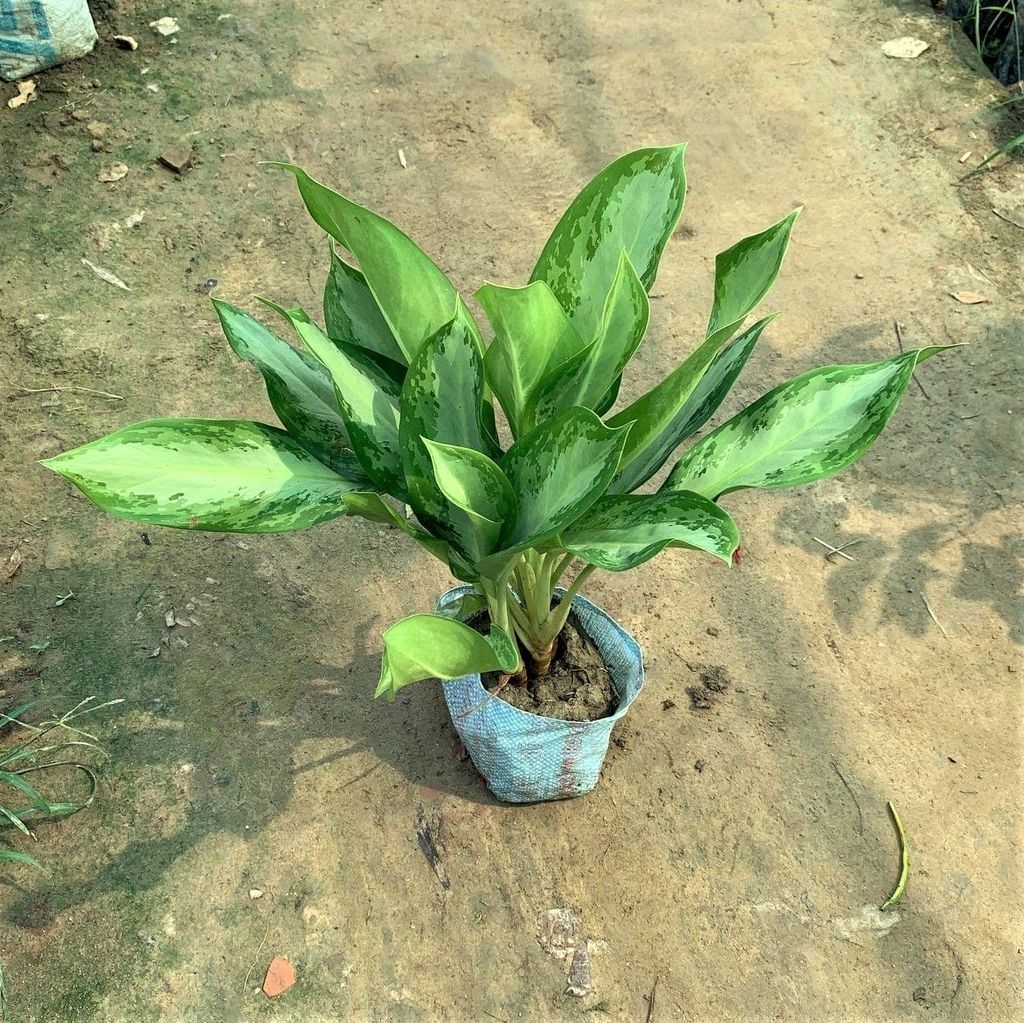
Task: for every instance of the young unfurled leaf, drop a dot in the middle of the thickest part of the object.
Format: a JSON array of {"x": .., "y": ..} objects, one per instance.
[
  {"x": 443, "y": 399},
  {"x": 475, "y": 484},
  {"x": 589, "y": 377},
  {"x": 368, "y": 389},
  {"x": 557, "y": 472},
  {"x": 432, "y": 646},
  {"x": 532, "y": 337},
  {"x": 351, "y": 313},
  {"x": 299, "y": 388},
  {"x": 712, "y": 387},
  {"x": 625, "y": 530},
  {"x": 414, "y": 296},
  {"x": 808, "y": 428},
  {"x": 222, "y": 475},
  {"x": 632, "y": 206}
]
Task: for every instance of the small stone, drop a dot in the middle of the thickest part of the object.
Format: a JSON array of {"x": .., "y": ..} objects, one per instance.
[
  {"x": 280, "y": 977},
  {"x": 97, "y": 129},
  {"x": 98, "y": 145},
  {"x": 667, "y": 704},
  {"x": 711, "y": 630},
  {"x": 698, "y": 766},
  {"x": 113, "y": 173},
  {"x": 80, "y": 115},
  {"x": 255, "y": 893},
  {"x": 178, "y": 157},
  {"x": 164, "y": 26},
  {"x": 126, "y": 42}
]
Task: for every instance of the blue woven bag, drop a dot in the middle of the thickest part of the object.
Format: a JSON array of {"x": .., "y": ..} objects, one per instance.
[{"x": 524, "y": 757}]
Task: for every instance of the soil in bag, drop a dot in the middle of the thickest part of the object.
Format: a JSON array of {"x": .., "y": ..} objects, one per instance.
[{"x": 578, "y": 686}]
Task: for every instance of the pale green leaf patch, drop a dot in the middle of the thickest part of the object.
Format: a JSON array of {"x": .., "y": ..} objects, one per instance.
[{"x": 432, "y": 646}]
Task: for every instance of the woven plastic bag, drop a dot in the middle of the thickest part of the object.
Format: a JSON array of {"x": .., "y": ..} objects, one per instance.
[
  {"x": 526, "y": 758},
  {"x": 36, "y": 34}
]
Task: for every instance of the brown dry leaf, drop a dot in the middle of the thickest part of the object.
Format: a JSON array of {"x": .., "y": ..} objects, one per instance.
[
  {"x": 10, "y": 568},
  {"x": 968, "y": 297},
  {"x": 26, "y": 93},
  {"x": 114, "y": 172},
  {"x": 280, "y": 976}
]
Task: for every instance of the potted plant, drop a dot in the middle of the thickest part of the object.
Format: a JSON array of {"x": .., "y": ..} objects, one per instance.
[{"x": 390, "y": 414}]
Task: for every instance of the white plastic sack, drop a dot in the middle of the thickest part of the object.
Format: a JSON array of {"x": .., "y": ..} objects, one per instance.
[{"x": 36, "y": 34}]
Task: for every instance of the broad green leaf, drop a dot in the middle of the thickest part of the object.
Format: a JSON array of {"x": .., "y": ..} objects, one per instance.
[
  {"x": 590, "y": 377},
  {"x": 625, "y": 530},
  {"x": 351, "y": 312},
  {"x": 443, "y": 400},
  {"x": 368, "y": 391},
  {"x": 432, "y": 646},
  {"x": 473, "y": 483},
  {"x": 299, "y": 388},
  {"x": 414, "y": 296},
  {"x": 745, "y": 273},
  {"x": 532, "y": 335},
  {"x": 694, "y": 412},
  {"x": 632, "y": 206},
  {"x": 806, "y": 429},
  {"x": 221, "y": 475},
  {"x": 557, "y": 472}
]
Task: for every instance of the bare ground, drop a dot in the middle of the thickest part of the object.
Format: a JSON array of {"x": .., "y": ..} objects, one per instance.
[{"x": 730, "y": 852}]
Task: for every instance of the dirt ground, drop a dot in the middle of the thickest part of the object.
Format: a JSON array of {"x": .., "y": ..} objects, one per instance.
[{"x": 735, "y": 854}]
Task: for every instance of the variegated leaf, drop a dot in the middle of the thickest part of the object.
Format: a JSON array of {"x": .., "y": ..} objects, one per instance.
[
  {"x": 532, "y": 336},
  {"x": 744, "y": 274},
  {"x": 473, "y": 483},
  {"x": 414, "y": 296},
  {"x": 558, "y": 471},
  {"x": 711, "y": 388},
  {"x": 299, "y": 388},
  {"x": 351, "y": 312},
  {"x": 591, "y": 376},
  {"x": 225, "y": 476},
  {"x": 433, "y": 646},
  {"x": 625, "y": 530},
  {"x": 443, "y": 400},
  {"x": 632, "y": 206},
  {"x": 806, "y": 429},
  {"x": 368, "y": 389}
]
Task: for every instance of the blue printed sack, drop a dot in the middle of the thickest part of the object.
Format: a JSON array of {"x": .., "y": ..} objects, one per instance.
[
  {"x": 524, "y": 757},
  {"x": 36, "y": 34}
]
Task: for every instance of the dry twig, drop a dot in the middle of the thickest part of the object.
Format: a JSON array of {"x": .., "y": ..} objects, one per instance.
[
  {"x": 833, "y": 551},
  {"x": 931, "y": 614},
  {"x": 58, "y": 388}
]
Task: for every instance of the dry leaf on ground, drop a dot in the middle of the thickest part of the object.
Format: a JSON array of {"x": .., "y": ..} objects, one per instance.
[
  {"x": 905, "y": 48},
  {"x": 26, "y": 93}
]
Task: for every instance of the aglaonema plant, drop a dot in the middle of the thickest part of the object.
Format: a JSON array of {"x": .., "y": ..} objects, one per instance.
[{"x": 392, "y": 406}]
